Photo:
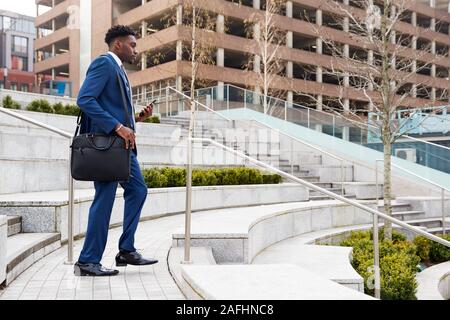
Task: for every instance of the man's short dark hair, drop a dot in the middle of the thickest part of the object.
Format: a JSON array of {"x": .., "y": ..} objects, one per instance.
[{"x": 118, "y": 31}]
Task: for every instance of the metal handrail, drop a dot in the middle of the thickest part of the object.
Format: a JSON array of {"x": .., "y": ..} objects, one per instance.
[
  {"x": 311, "y": 146},
  {"x": 329, "y": 193},
  {"x": 199, "y": 103},
  {"x": 71, "y": 194},
  {"x": 376, "y": 214},
  {"x": 424, "y": 141},
  {"x": 443, "y": 189}
]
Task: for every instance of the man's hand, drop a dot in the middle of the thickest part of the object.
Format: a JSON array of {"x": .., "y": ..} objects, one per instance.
[
  {"x": 145, "y": 113},
  {"x": 128, "y": 135}
]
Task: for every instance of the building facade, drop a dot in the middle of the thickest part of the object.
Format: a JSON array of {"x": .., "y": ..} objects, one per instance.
[
  {"x": 16, "y": 54},
  {"x": 162, "y": 33}
]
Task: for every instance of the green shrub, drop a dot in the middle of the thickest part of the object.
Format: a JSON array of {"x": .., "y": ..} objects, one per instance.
[
  {"x": 423, "y": 248},
  {"x": 398, "y": 280},
  {"x": 271, "y": 178},
  {"x": 154, "y": 178},
  {"x": 176, "y": 177},
  {"x": 40, "y": 105},
  {"x": 71, "y": 110},
  {"x": 398, "y": 262},
  {"x": 152, "y": 119},
  {"x": 9, "y": 103},
  {"x": 58, "y": 108},
  {"x": 438, "y": 252}
]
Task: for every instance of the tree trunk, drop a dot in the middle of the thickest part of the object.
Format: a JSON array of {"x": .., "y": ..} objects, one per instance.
[{"x": 387, "y": 189}]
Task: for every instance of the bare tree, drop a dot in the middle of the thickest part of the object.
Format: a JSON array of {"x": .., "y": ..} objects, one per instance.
[
  {"x": 268, "y": 38},
  {"x": 385, "y": 72}
]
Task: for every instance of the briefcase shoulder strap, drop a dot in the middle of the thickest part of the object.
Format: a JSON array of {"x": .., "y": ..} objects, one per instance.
[
  {"x": 127, "y": 116},
  {"x": 123, "y": 100}
]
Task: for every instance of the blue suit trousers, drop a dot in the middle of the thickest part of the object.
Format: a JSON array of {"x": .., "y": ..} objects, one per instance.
[{"x": 135, "y": 193}]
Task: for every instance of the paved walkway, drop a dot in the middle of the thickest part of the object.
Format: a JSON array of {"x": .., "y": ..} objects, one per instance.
[{"x": 51, "y": 279}]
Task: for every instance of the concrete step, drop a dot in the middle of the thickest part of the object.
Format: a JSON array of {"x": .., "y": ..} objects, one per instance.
[
  {"x": 438, "y": 230},
  {"x": 403, "y": 215},
  {"x": 427, "y": 222},
  {"x": 312, "y": 179},
  {"x": 397, "y": 207},
  {"x": 14, "y": 225},
  {"x": 24, "y": 249},
  {"x": 317, "y": 193},
  {"x": 325, "y": 197}
]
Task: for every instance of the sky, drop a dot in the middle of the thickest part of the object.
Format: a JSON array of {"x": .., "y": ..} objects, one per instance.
[{"x": 26, "y": 7}]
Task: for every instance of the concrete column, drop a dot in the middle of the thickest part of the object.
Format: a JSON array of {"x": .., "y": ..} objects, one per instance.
[
  {"x": 256, "y": 4},
  {"x": 290, "y": 98},
  {"x": 179, "y": 50},
  {"x": 220, "y": 28},
  {"x": 144, "y": 34}
]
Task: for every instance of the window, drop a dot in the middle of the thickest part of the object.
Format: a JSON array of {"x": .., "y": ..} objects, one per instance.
[
  {"x": 13, "y": 86},
  {"x": 19, "y": 63},
  {"x": 6, "y": 23},
  {"x": 24, "y": 88},
  {"x": 2, "y": 85},
  {"x": 20, "y": 44}
]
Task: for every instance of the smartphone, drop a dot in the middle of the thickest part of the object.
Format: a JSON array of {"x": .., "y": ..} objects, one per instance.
[{"x": 141, "y": 114}]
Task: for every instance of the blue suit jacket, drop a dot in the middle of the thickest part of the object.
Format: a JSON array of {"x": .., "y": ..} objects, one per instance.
[{"x": 100, "y": 98}]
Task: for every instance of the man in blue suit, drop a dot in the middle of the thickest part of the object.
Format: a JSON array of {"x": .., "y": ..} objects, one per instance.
[{"x": 101, "y": 102}]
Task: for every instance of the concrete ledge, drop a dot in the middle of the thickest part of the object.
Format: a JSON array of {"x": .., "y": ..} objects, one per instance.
[
  {"x": 198, "y": 256},
  {"x": 47, "y": 211},
  {"x": 3, "y": 246},
  {"x": 434, "y": 282},
  {"x": 238, "y": 235},
  {"x": 26, "y": 248},
  {"x": 330, "y": 262},
  {"x": 263, "y": 282}
]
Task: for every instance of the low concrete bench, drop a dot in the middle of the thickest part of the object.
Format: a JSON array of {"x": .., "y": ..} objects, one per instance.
[
  {"x": 330, "y": 262},
  {"x": 263, "y": 282},
  {"x": 238, "y": 235},
  {"x": 434, "y": 282}
]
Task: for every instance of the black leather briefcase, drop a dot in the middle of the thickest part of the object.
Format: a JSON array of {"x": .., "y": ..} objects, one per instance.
[{"x": 99, "y": 157}]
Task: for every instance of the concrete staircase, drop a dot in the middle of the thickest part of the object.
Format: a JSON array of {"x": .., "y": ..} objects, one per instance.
[
  {"x": 419, "y": 218},
  {"x": 24, "y": 249}
]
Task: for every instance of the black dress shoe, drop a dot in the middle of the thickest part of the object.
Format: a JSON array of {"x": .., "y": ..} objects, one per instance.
[
  {"x": 134, "y": 258},
  {"x": 93, "y": 269}
]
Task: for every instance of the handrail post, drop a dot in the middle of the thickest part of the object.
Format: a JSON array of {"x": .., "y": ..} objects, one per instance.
[
  {"x": 292, "y": 157},
  {"x": 376, "y": 252},
  {"x": 245, "y": 98},
  {"x": 308, "y": 118},
  {"x": 228, "y": 97},
  {"x": 70, "y": 217},
  {"x": 285, "y": 111},
  {"x": 334, "y": 123},
  {"x": 342, "y": 177},
  {"x": 443, "y": 211},
  {"x": 167, "y": 102}
]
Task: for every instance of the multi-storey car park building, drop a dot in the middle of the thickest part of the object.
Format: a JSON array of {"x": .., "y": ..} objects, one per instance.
[{"x": 67, "y": 48}]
